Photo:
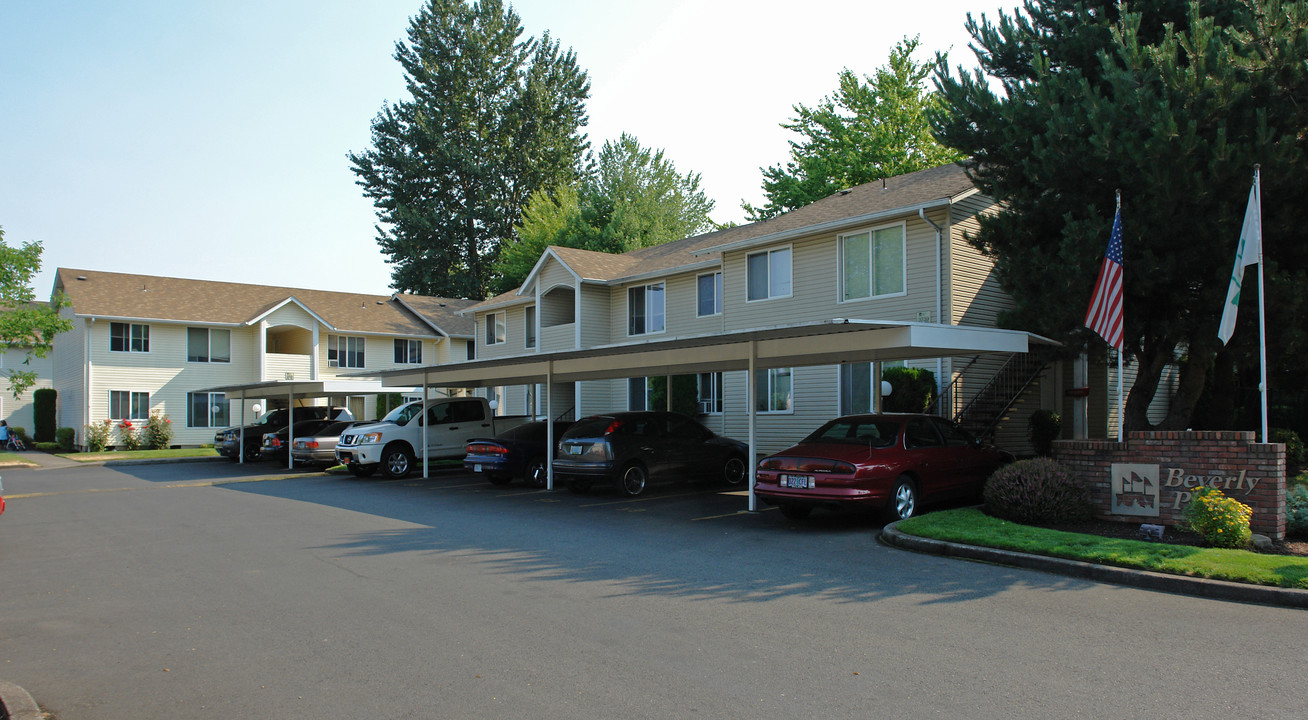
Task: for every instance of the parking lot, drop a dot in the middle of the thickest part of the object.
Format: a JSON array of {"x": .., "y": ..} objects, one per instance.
[{"x": 215, "y": 590}]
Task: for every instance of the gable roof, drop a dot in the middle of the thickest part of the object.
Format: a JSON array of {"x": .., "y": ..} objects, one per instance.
[
  {"x": 443, "y": 314},
  {"x": 865, "y": 203},
  {"x": 163, "y": 299}
]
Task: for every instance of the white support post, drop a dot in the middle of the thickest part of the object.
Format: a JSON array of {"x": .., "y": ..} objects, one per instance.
[
  {"x": 422, "y": 416},
  {"x": 753, "y": 440},
  {"x": 290, "y": 426},
  {"x": 549, "y": 424},
  {"x": 240, "y": 434}
]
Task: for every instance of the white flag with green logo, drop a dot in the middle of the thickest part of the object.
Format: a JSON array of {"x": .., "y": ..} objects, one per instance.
[{"x": 1250, "y": 252}]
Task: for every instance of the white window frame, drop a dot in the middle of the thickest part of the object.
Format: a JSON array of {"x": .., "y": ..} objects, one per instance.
[
  {"x": 496, "y": 328},
  {"x": 648, "y": 393},
  {"x": 208, "y": 345},
  {"x": 790, "y": 281},
  {"x": 339, "y": 345},
  {"x": 211, "y": 415},
  {"x": 409, "y": 356},
  {"x": 137, "y": 401},
  {"x": 715, "y": 392},
  {"x": 647, "y": 290},
  {"x": 131, "y": 338},
  {"x": 717, "y": 293},
  {"x": 771, "y": 375},
  {"x": 871, "y": 233},
  {"x": 530, "y": 334}
]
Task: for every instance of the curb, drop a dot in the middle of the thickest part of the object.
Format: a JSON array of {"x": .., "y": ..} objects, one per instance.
[
  {"x": 17, "y": 704},
  {"x": 1145, "y": 579}
]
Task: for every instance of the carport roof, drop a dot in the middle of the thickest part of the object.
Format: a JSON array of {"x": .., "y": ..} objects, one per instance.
[
  {"x": 819, "y": 343},
  {"x": 301, "y": 388}
]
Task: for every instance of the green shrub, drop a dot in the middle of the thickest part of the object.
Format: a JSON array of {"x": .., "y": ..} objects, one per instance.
[
  {"x": 1038, "y": 492},
  {"x": 1221, "y": 521},
  {"x": 21, "y": 433},
  {"x": 97, "y": 435},
  {"x": 912, "y": 389},
  {"x": 158, "y": 431},
  {"x": 128, "y": 436},
  {"x": 43, "y": 413},
  {"x": 65, "y": 436},
  {"x": 1045, "y": 427},
  {"x": 1296, "y": 512},
  {"x": 1293, "y": 449},
  {"x": 50, "y": 447}
]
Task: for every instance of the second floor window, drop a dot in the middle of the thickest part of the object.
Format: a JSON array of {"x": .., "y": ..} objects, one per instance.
[
  {"x": 872, "y": 263},
  {"x": 768, "y": 274},
  {"x": 495, "y": 328},
  {"x": 344, "y": 351},
  {"x": 129, "y": 337},
  {"x": 408, "y": 352},
  {"x": 128, "y": 405},
  {"x": 645, "y": 309},
  {"x": 208, "y": 345},
  {"x": 708, "y": 293},
  {"x": 530, "y": 340},
  {"x": 470, "y": 350}
]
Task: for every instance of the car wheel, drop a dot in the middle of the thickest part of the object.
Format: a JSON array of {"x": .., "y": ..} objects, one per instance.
[
  {"x": 903, "y": 500},
  {"x": 397, "y": 461},
  {"x": 362, "y": 470},
  {"x": 499, "y": 479},
  {"x": 796, "y": 512},
  {"x": 579, "y": 486},
  {"x": 251, "y": 454},
  {"x": 734, "y": 471},
  {"x": 633, "y": 480},
  {"x": 536, "y": 475}
]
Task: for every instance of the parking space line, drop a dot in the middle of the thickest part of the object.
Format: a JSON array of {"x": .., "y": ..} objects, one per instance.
[
  {"x": 738, "y": 513},
  {"x": 648, "y": 498}
]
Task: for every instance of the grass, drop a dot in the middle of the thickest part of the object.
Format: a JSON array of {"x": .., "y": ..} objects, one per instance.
[
  {"x": 8, "y": 458},
  {"x": 140, "y": 454},
  {"x": 973, "y": 527}
]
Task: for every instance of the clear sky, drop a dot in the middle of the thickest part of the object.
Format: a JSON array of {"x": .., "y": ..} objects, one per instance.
[{"x": 208, "y": 140}]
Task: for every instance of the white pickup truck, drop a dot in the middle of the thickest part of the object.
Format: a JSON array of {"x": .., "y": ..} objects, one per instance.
[{"x": 393, "y": 442}]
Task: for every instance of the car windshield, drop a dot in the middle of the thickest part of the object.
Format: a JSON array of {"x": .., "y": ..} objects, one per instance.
[
  {"x": 874, "y": 432},
  {"x": 403, "y": 414},
  {"x": 591, "y": 427}
]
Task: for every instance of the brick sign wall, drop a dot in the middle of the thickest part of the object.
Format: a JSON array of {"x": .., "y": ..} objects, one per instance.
[{"x": 1150, "y": 477}]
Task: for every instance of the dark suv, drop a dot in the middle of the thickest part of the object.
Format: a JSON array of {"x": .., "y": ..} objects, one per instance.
[
  {"x": 228, "y": 442},
  {"x": 631, "y": 449}
]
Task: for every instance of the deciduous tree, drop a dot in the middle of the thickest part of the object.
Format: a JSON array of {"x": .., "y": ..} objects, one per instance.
[{"x": 24, "y": 324}]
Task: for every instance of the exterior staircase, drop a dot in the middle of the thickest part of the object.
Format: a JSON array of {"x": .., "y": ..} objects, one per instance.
[{"x": 982, "y": 414}]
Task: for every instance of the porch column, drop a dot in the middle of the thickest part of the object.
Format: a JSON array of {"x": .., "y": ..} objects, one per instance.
[
  {"x": 549, "y": 424},
  {"x": 290, "y": 426},
  {"x": 313, "y": 359},
  {"x": 753, "y": 442},
  {"x": 263, "y": 350},
  {"x": 422, "y": 417}
]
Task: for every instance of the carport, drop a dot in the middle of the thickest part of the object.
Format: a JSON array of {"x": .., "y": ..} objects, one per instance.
[
  {"x": 828, "y": 342},
  {"x": 294, "y": 390}
]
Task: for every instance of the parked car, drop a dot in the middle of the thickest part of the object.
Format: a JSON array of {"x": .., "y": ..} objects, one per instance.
[
  {"x": 632, "y": 449},
  {"x": 320, "y": 447},
  {"x": 2, "y": 498},
  {"x": 394, "y": 443},
  {"x": 277, "y": 444},
  {"x": 890, "y": 463},
  {"x": 520, "y": 452},
  {"x": 228, "y": 441}
]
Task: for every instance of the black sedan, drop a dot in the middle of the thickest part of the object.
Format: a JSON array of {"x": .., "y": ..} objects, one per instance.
[
  {"x": 632, "y": 449},
  {"x": 520, "y": 452}
]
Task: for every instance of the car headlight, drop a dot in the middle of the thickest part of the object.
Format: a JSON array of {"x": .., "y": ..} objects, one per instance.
[{"x": 372, "y": 437}]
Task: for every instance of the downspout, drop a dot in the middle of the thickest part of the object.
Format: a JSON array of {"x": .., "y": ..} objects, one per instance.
[
  {"x": 90, "y": 372},
  {"x": 940, "y": 291}
]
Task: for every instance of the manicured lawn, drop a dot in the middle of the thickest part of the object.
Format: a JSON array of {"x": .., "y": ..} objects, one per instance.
[
  {"x": 141, "y": 454},
  {"x": 8, "y": 457},
  {"x": 973, "y": 527}
]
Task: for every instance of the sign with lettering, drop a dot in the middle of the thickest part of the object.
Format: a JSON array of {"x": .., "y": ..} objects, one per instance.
[{"x": 1135, "y": 489}]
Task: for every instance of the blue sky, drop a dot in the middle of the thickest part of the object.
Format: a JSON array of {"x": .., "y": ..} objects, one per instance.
[{"x": 209, "y": 140}]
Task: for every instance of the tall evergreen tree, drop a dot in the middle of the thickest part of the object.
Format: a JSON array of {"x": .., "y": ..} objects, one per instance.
[
  {"x": 871, "y": 128},
  {"x": 1174, "y": 103},
  {"x": 633, "y": 197},
  {"x": 491, "y": 118}
]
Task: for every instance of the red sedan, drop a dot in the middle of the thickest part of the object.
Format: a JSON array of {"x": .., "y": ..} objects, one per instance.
[{"x": 889, "y": 463}]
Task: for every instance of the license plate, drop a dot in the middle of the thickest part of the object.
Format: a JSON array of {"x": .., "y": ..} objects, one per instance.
[
  {"x": 575, "y": 449},
  {"x": 347, "y": 458},
  {"x": 476, "y": 467},
  {"x": 795, "y": 481}
]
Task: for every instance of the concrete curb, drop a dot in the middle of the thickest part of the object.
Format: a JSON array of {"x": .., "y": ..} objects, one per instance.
[
  {"x": 1179, "y": 584},
  {"x": 17, "y": 704}
]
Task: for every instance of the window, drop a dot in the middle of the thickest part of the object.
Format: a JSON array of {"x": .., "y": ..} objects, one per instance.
[
  {"x": 921, "y": 433},
  {"x": 208, "y": 345},
  {"x": 768, "y": 274},
  {"x": 708, "y": 293},
  {"x": 127, "y": 405},
  {"x": 206, "y": 410},
  {"x": 471, "y": 350},
  {"x": 408, "y": 352},
  {"x": 639, "y": 394},
  {"x": 710, "y": 392},
  {"x": 872, "y": 263},
  {"x": 344, "y": 351},
  {"x": 856, "y": 386},
  {"x": 530, "y": 331},
  {"x": 127, "y": 337},
  {"x": 494, "y": 328},
  {"x": 645, "y": 309},
  {"x": 773, "y": 391}
]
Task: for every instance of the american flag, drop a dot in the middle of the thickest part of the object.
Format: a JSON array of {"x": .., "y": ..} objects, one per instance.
[{"x": 1105, "y": 313}]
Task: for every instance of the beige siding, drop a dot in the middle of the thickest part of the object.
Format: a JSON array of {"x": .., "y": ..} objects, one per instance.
[
  {"x": 68, "y": 361},
  {"x": 291, "y": 314},
  {"x": 18, "y": 411},
  {"x": 975, "y": 297},
  {"x": 596, "y": 316}
]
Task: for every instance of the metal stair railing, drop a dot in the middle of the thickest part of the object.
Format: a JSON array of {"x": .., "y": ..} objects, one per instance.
[{"x": 982, "y": 415}]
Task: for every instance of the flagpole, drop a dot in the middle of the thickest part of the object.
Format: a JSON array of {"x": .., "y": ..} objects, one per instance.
[
  {"x": 1121, "y": 416},
  {"x": 1262, "y": 299}
]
